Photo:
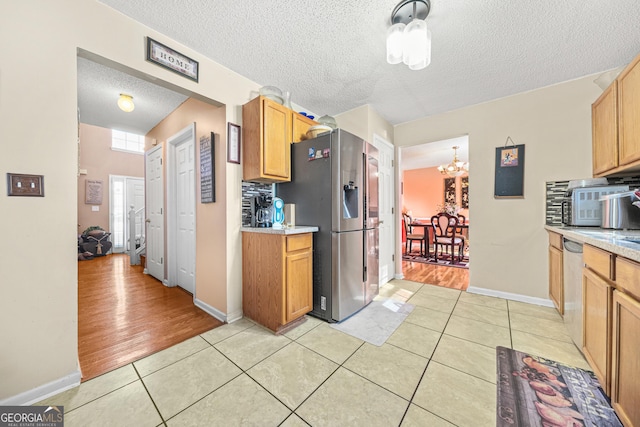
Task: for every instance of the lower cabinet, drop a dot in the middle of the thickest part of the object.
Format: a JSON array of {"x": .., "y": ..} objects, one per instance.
[
  {"x": 556, "y": 280},
  {"x": 596, "y": 326},
  {"x": 277, "y": 274}
]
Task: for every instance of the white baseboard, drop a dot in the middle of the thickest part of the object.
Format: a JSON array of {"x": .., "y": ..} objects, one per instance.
[
  {"x": 513, "y": 297},
  {"x": 235, "y": 316},
  {"x": 211, "y": 310},
  {"x": 398, "y": 276},
  {"x": 44, "y": 391}
]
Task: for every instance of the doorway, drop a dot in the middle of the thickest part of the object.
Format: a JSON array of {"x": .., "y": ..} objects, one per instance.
[
  {"x": 181, "y": 216},
  {"x": 125, "y": 192},
  {"x": 386, "y": 214}
]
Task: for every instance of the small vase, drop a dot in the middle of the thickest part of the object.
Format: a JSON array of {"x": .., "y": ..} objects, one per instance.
[{"x": 287, "y": 100}]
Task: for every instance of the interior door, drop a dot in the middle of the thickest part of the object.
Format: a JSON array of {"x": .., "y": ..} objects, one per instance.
[
  {"x": 386, "y": 229},
  {"x": 154, "y": 207},
  {"x": 134, "y": 196},
  {"x": 181, "y": 203}
]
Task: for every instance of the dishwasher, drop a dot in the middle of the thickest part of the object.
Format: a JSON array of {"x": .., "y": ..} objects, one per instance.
[{"x": 572, "y": 277}]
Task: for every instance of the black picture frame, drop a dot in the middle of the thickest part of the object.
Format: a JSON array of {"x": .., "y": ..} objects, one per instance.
[
  {"x": 25, "y": 185},
  {"x": 509, "y": 172},
  {"x": 464, "y": 184},
  {"x": 449, "y": 190},
  {"x": 208, "y": 169},
  {"x": 233, "y": 143},
  {"x": 162, "y": 55}
]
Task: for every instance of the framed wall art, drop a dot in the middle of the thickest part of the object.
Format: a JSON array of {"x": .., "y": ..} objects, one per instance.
[
  {"x": 207, "y": 169},
  {"x": 464, "y": 184},
  {"x": 93, "y": 192},
  {"x": 172, "y": 60},
  {"x": 509, "y": 173},
  {"x": 450, "y": 190},
  {"x": 233, "y": 143}
]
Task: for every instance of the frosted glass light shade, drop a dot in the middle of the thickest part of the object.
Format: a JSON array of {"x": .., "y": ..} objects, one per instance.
[
  {"x": 395, "y": 43},
  {"x": 417, "y": 45},
  {"x": 125, "y": 102}
]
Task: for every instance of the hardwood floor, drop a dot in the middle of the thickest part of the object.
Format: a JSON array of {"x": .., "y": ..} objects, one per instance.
[
  {"x": 448, "y": 277},
  {"x": 125, "y": 315}
]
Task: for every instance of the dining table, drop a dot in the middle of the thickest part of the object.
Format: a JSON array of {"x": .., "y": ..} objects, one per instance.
[{"x": 425, "y": 223}]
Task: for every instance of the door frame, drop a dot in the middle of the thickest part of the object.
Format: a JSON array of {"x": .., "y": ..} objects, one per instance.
[
  {"x": 148, "y": 211},
  {"x": 125, "y": 179},
  {"x": 380, "y": 142},
  {"x": 189, "y": 132}
]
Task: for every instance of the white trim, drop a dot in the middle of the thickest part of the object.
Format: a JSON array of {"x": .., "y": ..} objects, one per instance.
[
  {"x": 235, "y": 316},
  {"x": 123, "y": 150},
  {"x": 44, "y": 391},
  {"x": 211, "y": 310},
  {"x": 381, "y": 139},
  {"x": 513, "y": 297},
  {"x": 398, "y": 276}
]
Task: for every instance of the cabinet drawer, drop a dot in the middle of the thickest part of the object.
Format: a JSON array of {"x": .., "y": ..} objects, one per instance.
[
  {"x": 555, "y": 240},
  {"x": 599, "y": 261},
  {"x": 298, "y": 242},
  {"x": 627, "y": 274}
]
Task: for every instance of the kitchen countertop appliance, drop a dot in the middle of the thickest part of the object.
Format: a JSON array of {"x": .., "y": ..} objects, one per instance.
[
  {"x": 335, "y": 186},
  {"x": 261, "y": 213},
  {"x": 581, "y": 205},
  {"x": 619, "y": 212}
]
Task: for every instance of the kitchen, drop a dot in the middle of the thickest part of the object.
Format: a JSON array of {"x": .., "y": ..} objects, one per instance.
[{"x": 554, "y": 122}]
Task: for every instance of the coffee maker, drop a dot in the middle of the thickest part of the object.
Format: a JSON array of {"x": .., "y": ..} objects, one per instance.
[{"x": 261, "y": 214}]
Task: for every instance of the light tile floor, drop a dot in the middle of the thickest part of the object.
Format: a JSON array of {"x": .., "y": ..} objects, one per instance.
[{"x": 437, "y": 369}]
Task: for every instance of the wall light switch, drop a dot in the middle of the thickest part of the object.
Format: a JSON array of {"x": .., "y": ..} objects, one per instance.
[
  {"x": 83, "y": 171},
  {"x": 95, "y": 208}
]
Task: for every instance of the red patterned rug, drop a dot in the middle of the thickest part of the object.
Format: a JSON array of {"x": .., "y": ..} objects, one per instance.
[
  {"x": 534, "y": 391},
  {"x": 444, "y": 260}
]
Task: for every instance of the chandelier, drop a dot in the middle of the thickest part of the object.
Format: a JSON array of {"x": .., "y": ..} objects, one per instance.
[
  {"x": 408, "y": 39},
  {"x": 456, "y": 167}
]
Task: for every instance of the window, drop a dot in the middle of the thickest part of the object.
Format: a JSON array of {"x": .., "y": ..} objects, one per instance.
[{"x": 126, "y": 141}]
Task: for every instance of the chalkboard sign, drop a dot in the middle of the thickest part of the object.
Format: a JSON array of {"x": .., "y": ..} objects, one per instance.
[
  {"x": 509, "y": 180},
  {"x": 207, "y": 169}
]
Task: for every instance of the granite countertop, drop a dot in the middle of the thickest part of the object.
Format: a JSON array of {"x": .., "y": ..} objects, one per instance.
[
  {"x": 614, "y": 241},
  {"x": 298, "y": 229}
]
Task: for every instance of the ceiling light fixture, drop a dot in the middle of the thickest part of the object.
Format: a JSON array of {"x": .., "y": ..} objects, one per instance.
[
  {"x": 456, "y": 167},
  {"x": 125, "y": 102},
  {"x": 408, "y": 39}
]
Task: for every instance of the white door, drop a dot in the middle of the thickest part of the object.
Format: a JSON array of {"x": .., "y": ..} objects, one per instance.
[
  {"x": 134, "y": 196},
  {"x": 124, "y": 191},
  {"x": 386, "y": 198},
  {"x": 182, "y": 207},
  {"x": 154, "y": 206}
]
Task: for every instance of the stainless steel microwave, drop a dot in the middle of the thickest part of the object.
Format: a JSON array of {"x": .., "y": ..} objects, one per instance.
[{"x": 582, "y": 207}]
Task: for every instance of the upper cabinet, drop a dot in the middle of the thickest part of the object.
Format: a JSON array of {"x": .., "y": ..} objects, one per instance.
[
  {"x": 268, "y": 129},
  {"x": 615, "y": 118}
]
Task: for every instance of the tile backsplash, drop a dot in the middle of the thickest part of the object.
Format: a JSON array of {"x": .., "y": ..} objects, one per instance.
[
  {"x": 555, "y": 191},
  {"x": 249, "y": 190}
]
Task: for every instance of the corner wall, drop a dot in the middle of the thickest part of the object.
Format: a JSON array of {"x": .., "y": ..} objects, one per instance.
[{"x": 508, "y": 240}]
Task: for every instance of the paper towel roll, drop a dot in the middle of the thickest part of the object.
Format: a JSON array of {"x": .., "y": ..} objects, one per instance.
[{"x": 290, "y": 214}]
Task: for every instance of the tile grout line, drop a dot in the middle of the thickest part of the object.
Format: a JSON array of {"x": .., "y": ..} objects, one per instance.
[{"x": 149, "y": 394}]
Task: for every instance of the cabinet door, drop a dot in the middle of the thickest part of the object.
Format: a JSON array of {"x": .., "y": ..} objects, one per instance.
[
  {"x": 604, "y": 123},
  {"x": 276, "y": 149},
  {"x": 299, "y": 286},
  {"x": 596, "y": 325},
  {"x": 629, "y": 105},
  {"x": 556, "y": 282},
  {"x": 625, "y": 387},
  {"x": 300, "y": 126}
]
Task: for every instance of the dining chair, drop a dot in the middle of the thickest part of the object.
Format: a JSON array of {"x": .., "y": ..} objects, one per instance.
[
  {"x": 445, "y": 234},
  {"x": 411, "y": 236},
  {"x": 461, "y": 221}
]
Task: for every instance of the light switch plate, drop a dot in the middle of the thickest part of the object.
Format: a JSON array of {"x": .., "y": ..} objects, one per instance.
[
  {"x": 95, "y": 208},
  {"x": 25, "y": 185}
]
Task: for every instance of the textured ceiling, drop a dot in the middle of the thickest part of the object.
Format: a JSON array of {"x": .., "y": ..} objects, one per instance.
[
  {"x": 99, "y": 88},
  {"x": 331, "y": 54}
]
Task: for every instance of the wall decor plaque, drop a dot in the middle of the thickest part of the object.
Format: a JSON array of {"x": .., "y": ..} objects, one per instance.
[
  {"x": 93, "y": 192},
  {"x": 172, "y": 60},
  {"x": 207, "y": 169},
  {"x": 509, "y": 174}
]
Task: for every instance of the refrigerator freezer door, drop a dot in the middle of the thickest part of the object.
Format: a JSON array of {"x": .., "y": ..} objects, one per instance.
[
  {"x": 347, "y": 292},
  {"x": 347, "y": 181},
  {"x": 372, "y": 267}
]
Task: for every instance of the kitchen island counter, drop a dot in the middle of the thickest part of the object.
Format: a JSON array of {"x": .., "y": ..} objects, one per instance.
[
  {"x": 298, "y": 229},
  {"x": 614, "y": 241}
]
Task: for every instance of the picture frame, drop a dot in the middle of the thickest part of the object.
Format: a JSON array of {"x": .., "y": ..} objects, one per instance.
[
  {"x": 207, "y": 169},
  {"x": 93, "y": 192},
  {"x": 25, "y": 185},
  {"x": 172, "y": 60},
  {"x": 464, "y": 183},
  {"x": 509, "y": 172},
  {"x": 450, "y": 190},
  {"x": 233, "y": 143}
]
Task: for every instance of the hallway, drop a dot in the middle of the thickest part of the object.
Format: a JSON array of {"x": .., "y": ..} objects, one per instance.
[{"x": 124, "y": 315}]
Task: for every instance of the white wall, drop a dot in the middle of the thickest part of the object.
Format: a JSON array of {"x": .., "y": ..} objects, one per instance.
[
  {"x": 38, "y": 130},
  {"x": 507, "y": 239}
]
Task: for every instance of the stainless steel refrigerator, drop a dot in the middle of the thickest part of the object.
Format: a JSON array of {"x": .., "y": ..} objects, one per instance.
[{"x": 334, "y": 186}]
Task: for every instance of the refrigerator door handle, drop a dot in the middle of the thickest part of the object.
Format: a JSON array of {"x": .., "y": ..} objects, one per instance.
[{"x": 364, "y": 257}]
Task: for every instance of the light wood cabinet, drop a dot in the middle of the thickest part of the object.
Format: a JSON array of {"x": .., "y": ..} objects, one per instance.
[
  {"x": 604, "y": 124},
  {"x": 300, "y": 126},
  {"x": 614, "y": 119},
  {"x": 266, "y": 139},
  {"x": 277, "y": 274},
  {"x": 268, "y": 129},
  {"x": 556, "y": 281},
  {"x": 596, "y": 325}
]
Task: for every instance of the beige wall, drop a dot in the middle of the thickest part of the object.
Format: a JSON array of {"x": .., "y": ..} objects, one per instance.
[
  {"x": 364, "y": 122},
  {"x": 210, "y": 217},
  {"x": 509, "y": 243},
  {"x": 100, "y": 161},
  {"x": 38, "y": 127}
]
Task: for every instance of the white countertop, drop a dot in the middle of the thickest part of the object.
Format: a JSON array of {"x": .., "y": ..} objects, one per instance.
[
  {"x": 298, "y": 229},
  {"x": 609, "y": 240}
]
